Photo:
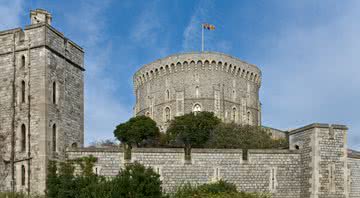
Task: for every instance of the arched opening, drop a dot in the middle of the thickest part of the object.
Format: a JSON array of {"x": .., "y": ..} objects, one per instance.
[
  {"x": 248, "y": 118},
  {"x": 54, "y": 136},
  {"x": 197, "y": 108},
  {"x": 54, "y": 93},
  {"x": 167, "y": 114},
  {"x": 74, "y": 145},
  {"x": 23, "y": 89},
  {"x": 233, "y": 117},
  {"x": 23, "y": 61},
  {"x": 23, "y": 172},
  {"x": 147, "y": 114},
  {"x": 23, "y": 137}
]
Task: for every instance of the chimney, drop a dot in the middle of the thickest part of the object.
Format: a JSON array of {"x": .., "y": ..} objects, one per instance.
[{"x": 40, "y": 16}]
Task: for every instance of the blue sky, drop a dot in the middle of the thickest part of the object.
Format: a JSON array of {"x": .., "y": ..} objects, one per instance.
[{"x": 307, "y": 50}]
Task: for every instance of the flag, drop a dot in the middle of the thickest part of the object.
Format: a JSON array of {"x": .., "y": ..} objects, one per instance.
[{"x": 208, "y": 26}]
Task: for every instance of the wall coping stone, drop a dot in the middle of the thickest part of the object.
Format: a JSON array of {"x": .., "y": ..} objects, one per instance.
[
  {"x": 91, "y": 149},
  {"x": 10, "y": 31},
  {"x": 317, "y": 125},
  {"x": 273, "y": 151},
  {"x": 157, "y": 150},
  {"x": 200, "y": 150}
]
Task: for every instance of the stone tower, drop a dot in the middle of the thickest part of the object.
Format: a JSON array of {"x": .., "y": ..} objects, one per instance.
[
  {"x": 199, "y": 81},
  {"x": 41, "y": 101}
]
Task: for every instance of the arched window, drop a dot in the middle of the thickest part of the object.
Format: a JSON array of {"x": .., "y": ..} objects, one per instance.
[
  {"x": 249, "y": 118},
  {"x": 23, "y": 171},
  {"x": 54, "y": 93},
  {"x": 74, "y": 145},
  {"x": 233, "y": 117},
  {"x": 197, "y": 108},
  {"x": 23, "y": 137},
  {"x": 23, "y": 91},
  {"x": 167, "y": 95},
  {"x": 54, "y": 135},
  {"x": 22, "y": 61},
  {"x": 167, "y": 114},
  {"x": 234, "y": 95},
  {"x": 197, "y": 93}
]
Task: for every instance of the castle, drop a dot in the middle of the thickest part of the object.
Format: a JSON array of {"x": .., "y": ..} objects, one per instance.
[{"x": 42, "y": 119}]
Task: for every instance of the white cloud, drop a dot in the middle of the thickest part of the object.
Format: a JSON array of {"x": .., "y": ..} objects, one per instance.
[
  {"x": 103, "y": 110},
  {"x": 204, "y": 12},
  {"x": 10, "y": 14},
  {"x": 192, "y": 32},
  {"x": 147, "y": 27},
  {"x": 312, "y": 75}
]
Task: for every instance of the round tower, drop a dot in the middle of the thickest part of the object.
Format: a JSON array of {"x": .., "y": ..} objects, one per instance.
[{"x": 198, "y": 81}]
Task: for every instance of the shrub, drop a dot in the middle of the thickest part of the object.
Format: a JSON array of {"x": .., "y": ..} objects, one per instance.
[
  {"x": 220, "y": 189},
  {"x": 137, "y": 181},
  {"x": 230, "y": 135}
]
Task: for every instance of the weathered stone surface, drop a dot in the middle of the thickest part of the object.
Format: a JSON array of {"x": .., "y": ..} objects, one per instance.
[
  {"x": 216, "y": 82},
  {"x": 31, "y": 61}
]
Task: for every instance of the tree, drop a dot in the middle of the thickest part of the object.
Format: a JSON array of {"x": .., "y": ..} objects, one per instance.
[
  {"x": 230, "y": 135},
  {"x": 192, "y": 130},
  {"x": 136, "y": 130},
  {"x": 137, "y": 181}
]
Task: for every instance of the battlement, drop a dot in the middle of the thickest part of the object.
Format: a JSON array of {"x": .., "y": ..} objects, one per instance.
[{"x": 187, "y": 62}]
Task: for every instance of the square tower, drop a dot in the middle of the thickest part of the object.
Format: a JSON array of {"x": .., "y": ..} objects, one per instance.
[{"x": 41, "y": 102}]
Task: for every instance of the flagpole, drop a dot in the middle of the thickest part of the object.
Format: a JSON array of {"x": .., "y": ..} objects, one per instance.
[{"x": 202, "y": 37}]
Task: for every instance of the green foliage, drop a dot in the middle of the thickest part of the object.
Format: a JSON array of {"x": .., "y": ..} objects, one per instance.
[
  {"x": 230, "y": 135},
  {"x": 220, "y": 189},
  {"x": 192, "y": 130},
  {"x": 138, "y": 182},
  {"x": 86, "y": 164},
  {"x": 135, "y": 181},
  {"x": 53, "y": 182},
  {"x": 136, "y": 130}
]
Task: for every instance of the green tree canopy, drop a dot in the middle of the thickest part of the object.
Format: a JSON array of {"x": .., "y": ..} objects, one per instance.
[
  {"x": 230, "y": 135},
  {"x": 136, "y": 130},
  {"x": 192, "y": 130}
]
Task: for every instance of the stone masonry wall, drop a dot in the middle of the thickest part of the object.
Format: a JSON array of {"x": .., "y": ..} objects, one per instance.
[
  {"x": 37, "y": 56},
  {"x": 271, "y": 171},
  {"x": 354, "y": 177},
  {"x": 216, "y": 82},
  {"x": 323, "y": 160}
]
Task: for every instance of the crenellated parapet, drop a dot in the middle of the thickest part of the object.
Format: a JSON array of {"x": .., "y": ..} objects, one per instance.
[{"x": 188, "y": 62}]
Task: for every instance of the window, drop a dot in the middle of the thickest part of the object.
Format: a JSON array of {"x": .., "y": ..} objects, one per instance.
[
  {"x": 54, "y": 93},
  {"x": 167, "y": 114},
  {"x": 167, "y": 95},
  {"x": 23, "y": 91},
  {"x": 54, "y": 138},
  {"x": 197, "y": 91},
  {"x": 147, "y": 114},
  {"x": 23, "y": 61},
  {"x": 197, "y": 108},
  {"x": 74, "y": 145},
  {"x": 23, "y": 137},
  {"x": 249, "y": 118},
  {"x": 23, "y": 175},
  {"x": 233, "y": 117}
]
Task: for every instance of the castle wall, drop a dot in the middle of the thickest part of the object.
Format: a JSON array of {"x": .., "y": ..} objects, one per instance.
[
  {"x": 272, "y": 171},
  {"x": 354, "y": 177}
]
